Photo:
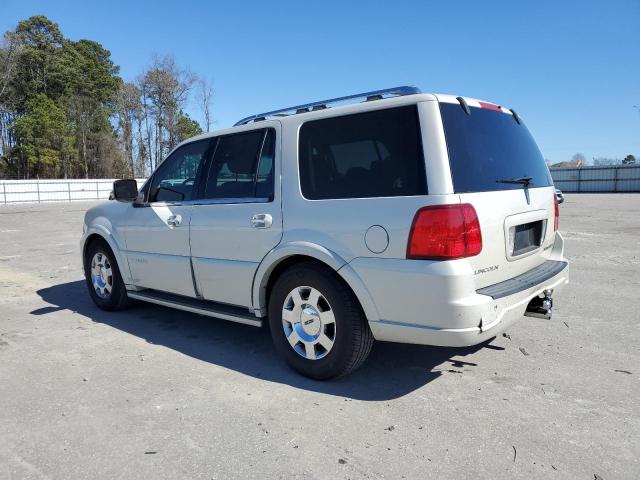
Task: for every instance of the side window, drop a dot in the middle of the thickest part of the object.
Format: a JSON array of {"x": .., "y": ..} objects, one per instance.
[
  {"x": 176, "y": 176},
  {"x": 371, "y": 154},
  {"x": 242, "y": 166},
  {"x": 264, "y": 174}
]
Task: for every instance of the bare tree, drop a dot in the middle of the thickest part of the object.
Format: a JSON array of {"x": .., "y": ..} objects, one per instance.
[
  {"x": 579, "y": 159},
  {"x": 141, "y": 144},
  {"x": 205, "y": 99},
  {"x": 111, "y": 160},
  {"x": 9, "y": 54},
  {"x": 604, "y": 161},
  {"x": 165, "y": 89},
  {"x": 128, "y": 110},
  {"x": 146, "y": 114},
  {"x": 10, "y": 50},
  {"x": 82, "y": 109}
]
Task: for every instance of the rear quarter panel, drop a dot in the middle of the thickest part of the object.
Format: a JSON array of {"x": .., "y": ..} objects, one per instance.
[{"x": 340, "y": 225}]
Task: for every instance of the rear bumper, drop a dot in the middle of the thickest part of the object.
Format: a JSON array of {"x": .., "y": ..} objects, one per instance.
[{"x": 436, "y": 304}]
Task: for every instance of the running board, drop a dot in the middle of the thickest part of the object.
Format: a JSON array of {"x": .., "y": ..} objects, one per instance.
[{"x": 195, "y": 305}]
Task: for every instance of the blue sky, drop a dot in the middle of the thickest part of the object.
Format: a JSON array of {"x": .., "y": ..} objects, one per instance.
[{"x": 571, "y": 69}]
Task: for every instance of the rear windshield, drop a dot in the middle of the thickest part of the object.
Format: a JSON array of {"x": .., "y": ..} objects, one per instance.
[{"x": 488, "y": 147}]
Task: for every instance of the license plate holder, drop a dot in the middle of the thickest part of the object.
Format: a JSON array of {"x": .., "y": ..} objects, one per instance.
[{"x": 526, "y": 237}]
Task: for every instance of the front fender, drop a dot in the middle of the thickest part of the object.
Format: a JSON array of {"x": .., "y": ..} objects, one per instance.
[
  {"x": 317, "y": 252},
  {"x": 102, "y": 227}
]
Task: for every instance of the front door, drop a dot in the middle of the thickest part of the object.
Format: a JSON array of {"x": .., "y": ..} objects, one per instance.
[
  {"x": 239, "y": 220},
  {"x": 157, "y": 232}
]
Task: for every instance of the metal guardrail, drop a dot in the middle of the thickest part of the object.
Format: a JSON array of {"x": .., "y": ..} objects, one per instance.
[{"x": 41, "y": 191}]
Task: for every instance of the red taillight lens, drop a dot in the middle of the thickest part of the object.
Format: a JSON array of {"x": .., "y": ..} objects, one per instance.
[
  {"x": 556, "y": 212},
  {"x": 445, "y": 232}
]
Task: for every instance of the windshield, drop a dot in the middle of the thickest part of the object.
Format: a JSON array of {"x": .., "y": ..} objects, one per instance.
[{"x": 488, "y": 150}]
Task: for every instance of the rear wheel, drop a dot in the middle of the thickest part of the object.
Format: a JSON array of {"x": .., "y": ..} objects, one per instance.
[
  {"x": 103, "y": 277},
  {"x": 317, "y": 324}
]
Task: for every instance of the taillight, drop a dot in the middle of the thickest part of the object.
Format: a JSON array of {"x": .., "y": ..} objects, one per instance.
[
  {"x": 556, "y": 211},
  {"x": 445, "y": 232}
]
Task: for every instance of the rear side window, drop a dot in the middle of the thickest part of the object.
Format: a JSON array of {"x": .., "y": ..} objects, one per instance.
[
  {"x": 242, "y": 166},
  {"x": 488, "y": 148},
  {"x": 264, "y": 173},
  {"x": 372, "y": 154}
]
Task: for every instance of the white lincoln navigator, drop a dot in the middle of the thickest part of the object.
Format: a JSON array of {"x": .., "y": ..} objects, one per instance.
[{"x": 391, "y": 215}]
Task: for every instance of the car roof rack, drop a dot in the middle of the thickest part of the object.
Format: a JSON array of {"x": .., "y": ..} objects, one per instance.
[{"x": 321, "y": 105}]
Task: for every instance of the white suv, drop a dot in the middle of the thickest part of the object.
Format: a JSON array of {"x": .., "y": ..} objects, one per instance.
[{"x": 391, "y": 215}]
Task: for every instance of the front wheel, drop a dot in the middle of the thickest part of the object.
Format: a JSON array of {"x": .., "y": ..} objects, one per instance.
[
  {"x": 317, "y": 324},
  {"x": 103, "y": 277}
]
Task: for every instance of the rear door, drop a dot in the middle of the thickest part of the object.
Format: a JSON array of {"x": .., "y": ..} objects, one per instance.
[
  {"x": 497, "y": 167},
  {"x": 239, "y": 220}
]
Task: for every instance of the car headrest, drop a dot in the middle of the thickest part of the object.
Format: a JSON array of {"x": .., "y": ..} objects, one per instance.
[{"x": 240, "y": 164}]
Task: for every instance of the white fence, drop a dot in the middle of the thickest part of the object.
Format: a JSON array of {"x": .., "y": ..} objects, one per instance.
[
  {"x": 28, "y": 191},
  {"x": 585, "y": 179}
]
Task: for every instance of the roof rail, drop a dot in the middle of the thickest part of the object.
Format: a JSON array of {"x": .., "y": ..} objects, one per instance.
[{"x": 308, "y": 107}]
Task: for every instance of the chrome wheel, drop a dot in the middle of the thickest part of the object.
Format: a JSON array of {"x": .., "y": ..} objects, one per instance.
[
  {"x": 101, "y": 275},
  {"x": 308, "y": 323}
]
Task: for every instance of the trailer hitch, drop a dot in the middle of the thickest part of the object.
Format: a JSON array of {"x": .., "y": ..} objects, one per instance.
[{"x": 540, "y": 306}]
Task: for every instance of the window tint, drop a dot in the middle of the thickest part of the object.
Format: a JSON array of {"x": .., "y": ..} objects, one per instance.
[
  {"x": 242, "y": 166},
  {"x": 264, "y": 175},
  {"x": 372, "y": 154},
  {"x": 488, "y": 146},
  {"x": 174, "y": 179}
]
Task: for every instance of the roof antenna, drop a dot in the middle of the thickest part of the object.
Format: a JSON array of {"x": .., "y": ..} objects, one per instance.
[{"x": 463, "y": 104}]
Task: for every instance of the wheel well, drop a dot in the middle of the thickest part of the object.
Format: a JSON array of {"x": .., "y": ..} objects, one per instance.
[
  {"x": 91, "y": 239},
  {"x": 289, "y": 262}
]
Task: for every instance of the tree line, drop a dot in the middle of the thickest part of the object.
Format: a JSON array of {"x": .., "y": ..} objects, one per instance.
[
  {"x": 66, "y": 113},
  {"x": 579, "y": 160}
]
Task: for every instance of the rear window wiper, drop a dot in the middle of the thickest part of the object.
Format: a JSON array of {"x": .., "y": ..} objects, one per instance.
[{"x": 526, "y": 181}]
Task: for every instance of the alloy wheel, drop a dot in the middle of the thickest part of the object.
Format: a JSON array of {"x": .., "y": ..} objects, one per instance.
[
  {"x": 309, "y": 323},
  {"x": 101, "y": 275}
]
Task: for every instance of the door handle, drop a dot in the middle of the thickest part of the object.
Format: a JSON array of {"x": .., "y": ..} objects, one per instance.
[
  {"x": 174, "y": 220},
  {"x": 261, "y": 220}
]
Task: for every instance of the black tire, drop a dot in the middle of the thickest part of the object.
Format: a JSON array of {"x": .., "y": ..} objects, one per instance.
[
  {"x": 352, "y": 337},
  {"x": 117, "y": 299}
]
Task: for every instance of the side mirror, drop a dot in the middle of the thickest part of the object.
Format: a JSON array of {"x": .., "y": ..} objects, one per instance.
[{"x": 125, "y": 190}]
